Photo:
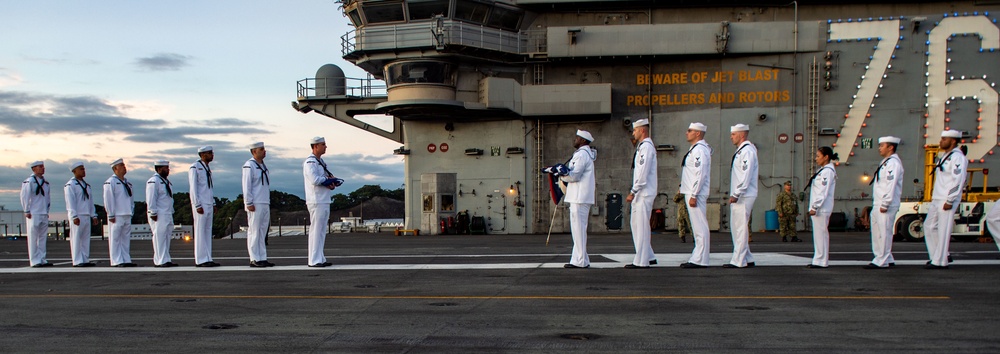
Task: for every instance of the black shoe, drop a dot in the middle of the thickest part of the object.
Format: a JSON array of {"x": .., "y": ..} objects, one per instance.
[
  {"x": 891, "y": 264},
  {"x": 567, "y": 265},
  {"x": 928, "y": 263},
  {"x": 931, "y": 266},
  {"x": 949, "y": 259},
  {"x": 692, "y": 265},
  {"x": 206, "y": 264},
  {"x": 40, "y": 265},
  {"x": 784, "y": 238},
  {"x": 633, "y": 266},
  {"x": 684, "y": 239},
  {"x": 873, "y": 266},
  {"x": 796, "y": 239},
  {"x": 652, "y": 262},
  {"x": 257, "y": 264},
  {"x": 164, "y": 265},
  {"x": 327, "y": 264},
  {"x": 727, "y": 265},
  {"x": 751, "y": 264},
  {"x": 269, "y": 264},
  {"x": 815, "y": 266},
  {"x": 88, "y": 264},
  {"x": 318, "y": 265}
]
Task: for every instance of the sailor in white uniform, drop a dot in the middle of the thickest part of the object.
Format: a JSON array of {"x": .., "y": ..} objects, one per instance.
[
  {"x": 580, "y": 196},
  {"x": 257, "y": 200},
  {"x": 35, "y": 201},
  {"x": 696, "y": 169},
  {"x": 160, "y": 213},
  {"x": 641, "y": 194},
  {"x": 887, "y": 188},
  {"x": 203, "y": 206},
  {"x": 742, "y": 194},
  {"x": 82, "y": 214},
  {"x": 949, "y": 179},
  {"x": 319, "y": 184},
  {"x": 823, "y": 183},
  {"x": 119, "y": 204}
]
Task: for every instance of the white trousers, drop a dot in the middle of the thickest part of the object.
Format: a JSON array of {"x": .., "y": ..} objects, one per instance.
[
  {"x": 258, "y": 221},
  {"x": 881, "y": 224},
  {"x": 79, "y": 239},
  {"x": 319, "y": 225},
  {"x": 38, "y": 230},
  {"x": 642, "y": 207},
  {"x": 937, "y": 231},
  {"x": 120, "y": 240},
  {"x": 161, "y": 237},
  {"x": 699, "y": 228},
  {"x": 821, "y": 239},
  {"x": 739, "y": 218},
  {"x": 579, "y": 215},
  {"x": 993, "y": 223},
  {"x": 203, "y": 235}
]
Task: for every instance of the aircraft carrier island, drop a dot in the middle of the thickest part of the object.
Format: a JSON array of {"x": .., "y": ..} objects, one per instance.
[{"x": 484, "y": 94}]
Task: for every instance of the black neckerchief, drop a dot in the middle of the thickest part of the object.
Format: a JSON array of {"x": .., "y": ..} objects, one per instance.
[
  {"x": 940, "y": 165},
  {"x": 812, "y": 178},
  {"x": 684, "y": 159},
  {"x": 263, "y": 173},
  {"x": 83, "y": 187},
  {"x": 879, "y": 169},
  {"x": 127, "y": 188},
  {"x": 208, "y": 172},
  {"x": 733, "y": 161},
  {"x": 38, "y": 186},
  {"x": 165, "y": 183},
  {"x": 636, "y": 153},
  {"x": 321, "y": 163}
]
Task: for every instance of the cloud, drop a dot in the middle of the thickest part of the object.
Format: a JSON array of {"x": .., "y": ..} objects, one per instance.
[
  {"x": 9, "y": 77},
  {"x": 163, "y": 62},
  {"x": 26, "y": 113}
]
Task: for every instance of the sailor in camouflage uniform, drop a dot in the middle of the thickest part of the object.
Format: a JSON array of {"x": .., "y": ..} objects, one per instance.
[{"x": 788, "y": 211}]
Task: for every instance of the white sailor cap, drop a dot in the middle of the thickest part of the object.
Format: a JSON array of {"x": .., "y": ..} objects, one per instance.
[
  {"x": 317, "y": 140},
  {"x": 159, "y": 163},
  {"x": 951, "y": 134},
  {"x": 74, "y": 165},
  {"x": 117, "y": 162},
  {"x": 258, "y": 144},
  {"x": 585, "y": 134},
  {"x": 699, "y": 127},
  {"x": 889, "y": 139},
  {"x": 640, "y": 123},
  {"x": 205, "y": 148},
  {"x": 37, "y": 163},
  {"x": 739, "y": 128}
]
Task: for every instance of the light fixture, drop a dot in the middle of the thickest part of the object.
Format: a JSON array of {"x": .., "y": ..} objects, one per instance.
[{"x": 865, "y": 177}]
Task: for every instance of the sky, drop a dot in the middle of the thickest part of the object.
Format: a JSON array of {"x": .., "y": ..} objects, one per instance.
[{"x": 95, "y": 81}]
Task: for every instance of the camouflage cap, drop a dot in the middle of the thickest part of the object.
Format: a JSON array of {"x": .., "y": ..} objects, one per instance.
[{"x": 788, "y": 183}]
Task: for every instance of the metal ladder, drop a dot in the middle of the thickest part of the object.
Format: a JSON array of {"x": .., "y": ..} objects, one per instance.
[
  {"x": 538, "y": 78},
  {"x": 812, "y": 113}
]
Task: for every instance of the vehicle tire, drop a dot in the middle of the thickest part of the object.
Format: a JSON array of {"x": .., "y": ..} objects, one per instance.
[{"x": 912, "y": 227}]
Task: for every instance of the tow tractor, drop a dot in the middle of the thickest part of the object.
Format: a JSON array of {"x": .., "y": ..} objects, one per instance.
[{"x": 970, "y": 219}]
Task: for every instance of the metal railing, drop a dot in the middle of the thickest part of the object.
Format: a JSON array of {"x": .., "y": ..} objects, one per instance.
[
  {"x": 440, "y": 33},
  {"x": 340, "y": 86}
]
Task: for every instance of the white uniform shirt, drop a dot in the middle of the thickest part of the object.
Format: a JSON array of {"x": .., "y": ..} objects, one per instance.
[
  {"x": 743, "y": 177},
  {"x": 200, "y": 184},
  {"x": 79, "y": 199},
  {"x": 823, "y": 186},
  {"x": 314, "y": 173},
  {"x": 644, "y": 169},
  {"x": 256, "y": 183},
  {"x": 949, "y": 177},
  {"x": 581, "y": 179},
  {"x": 35, "y": 197},
  {"x": 118, "y": 197},
  {"x": 159, "y": 196},
  {"x": 887, "y": 188},
  {"x": 696, "y": 169}
]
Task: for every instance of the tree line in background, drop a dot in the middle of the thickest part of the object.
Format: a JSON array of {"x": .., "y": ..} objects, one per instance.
[{"x": 281, "y": 203}]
